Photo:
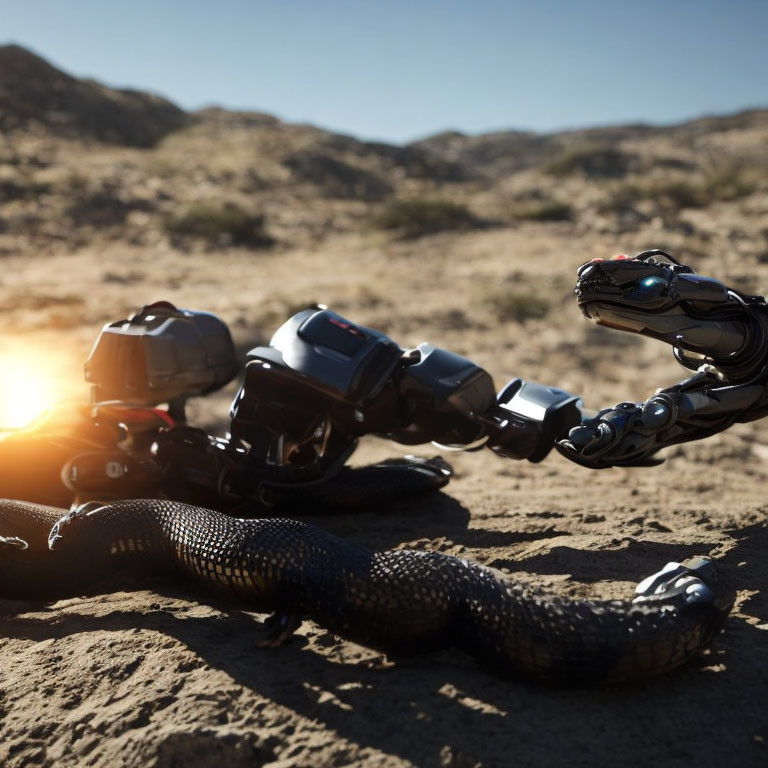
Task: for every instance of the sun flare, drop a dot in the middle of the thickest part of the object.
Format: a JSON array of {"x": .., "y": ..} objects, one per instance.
[
  {"x": 25, "y": 393},
  {"x": 32, "y": 381}
]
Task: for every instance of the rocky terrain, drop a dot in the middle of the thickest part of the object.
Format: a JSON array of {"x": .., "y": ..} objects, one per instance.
[{"x": 111, "y": 199}]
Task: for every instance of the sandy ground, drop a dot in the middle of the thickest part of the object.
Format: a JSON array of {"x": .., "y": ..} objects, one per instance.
[{"x": 159, "y": 674}]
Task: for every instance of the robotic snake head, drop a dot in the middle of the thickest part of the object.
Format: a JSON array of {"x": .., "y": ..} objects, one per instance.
[
  {"x": 616, "y": 292},
  {"x": 654, "y": 295}
]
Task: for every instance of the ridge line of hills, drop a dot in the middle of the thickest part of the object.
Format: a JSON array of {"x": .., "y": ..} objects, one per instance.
[
  {"x": 35, "y": 93},
  {"x": 82, "y": 163}
]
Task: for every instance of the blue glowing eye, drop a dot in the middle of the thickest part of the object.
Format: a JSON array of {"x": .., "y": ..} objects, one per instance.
[{"x": 650, "y": 287}]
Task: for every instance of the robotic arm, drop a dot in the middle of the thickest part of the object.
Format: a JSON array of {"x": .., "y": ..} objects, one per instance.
[
  {"x": 324, "y": 381},
  {"x": 717, "y": 331},
  {"x": 304, "y": 401}
]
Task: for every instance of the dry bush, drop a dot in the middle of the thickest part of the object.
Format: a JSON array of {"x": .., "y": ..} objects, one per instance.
[
  {"x": 591, "y": 161},
  {"x": 730, "y": 182},
  {"x": 336, "y": 178},
  {"x": 420, "y": 216},
  {"x": 103, "y": 208},
  {"x": 21, "y": 186},
  {"x": 10, "y": 190},
  {"x": 518, "y": 305},
  {"x": 221, "y": 225},
  {"x": 544, "y": 209},
  {"x": 720, "y": 183}
]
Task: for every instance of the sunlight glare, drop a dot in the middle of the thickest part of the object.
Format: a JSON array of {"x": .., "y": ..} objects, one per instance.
[
  {"x": 25, "y": 393},
  {"x": 31, "y": 382}
]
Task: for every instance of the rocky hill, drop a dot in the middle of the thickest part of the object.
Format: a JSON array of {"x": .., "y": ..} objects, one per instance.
[
  {"x": 506, "y": 151},
  {"x": 35, "y": 94},
  {"x": 81, "y": 163}
]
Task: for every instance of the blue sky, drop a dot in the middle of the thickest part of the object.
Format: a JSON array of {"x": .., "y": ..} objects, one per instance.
[{"x": 400, "y": 70}]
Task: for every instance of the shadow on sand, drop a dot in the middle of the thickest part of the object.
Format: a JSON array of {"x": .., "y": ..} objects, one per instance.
[{"x": 442, "y": 709}]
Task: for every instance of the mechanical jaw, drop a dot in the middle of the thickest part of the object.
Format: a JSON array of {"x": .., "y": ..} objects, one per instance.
[{"x": 669, "y": 302}]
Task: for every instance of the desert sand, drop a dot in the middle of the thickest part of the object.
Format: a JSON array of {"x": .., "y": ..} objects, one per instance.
[{"x": 154, "y": 673}]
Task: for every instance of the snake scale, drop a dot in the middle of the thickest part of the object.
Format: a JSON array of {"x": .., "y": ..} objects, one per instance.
[{"x": 397, "y": 600}]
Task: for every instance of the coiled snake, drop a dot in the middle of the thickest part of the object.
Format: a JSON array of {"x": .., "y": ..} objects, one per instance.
[{"x": 398, "y": 600}]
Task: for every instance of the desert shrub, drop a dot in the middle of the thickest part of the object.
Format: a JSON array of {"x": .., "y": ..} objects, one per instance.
[
  {"x": 518, "y": 305},
  {"x": 21, "y": 188},
  {"x": 162, "y": 166},
  {"x": 102, "y": 208},
  {"x": 75, "y": 184},
  {"x": 418, "y": 216},
  {"x": 671, "y": 163},
  {"x": 676, "y": 194},
  {"x": 221, "y": 225},
  {"x": 336, "y": 178},
  {"x": 11, "y": 190},
  {"x": 729, "y": 183},
  {"x": 720, "y": 183},
  {"x": 545, "y": 209},
  {"x": 669, "y": 194},
  {"x": 593, "y": 162}
]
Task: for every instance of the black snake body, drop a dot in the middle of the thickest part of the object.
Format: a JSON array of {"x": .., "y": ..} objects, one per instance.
[{"x": 397, "y": 600}]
